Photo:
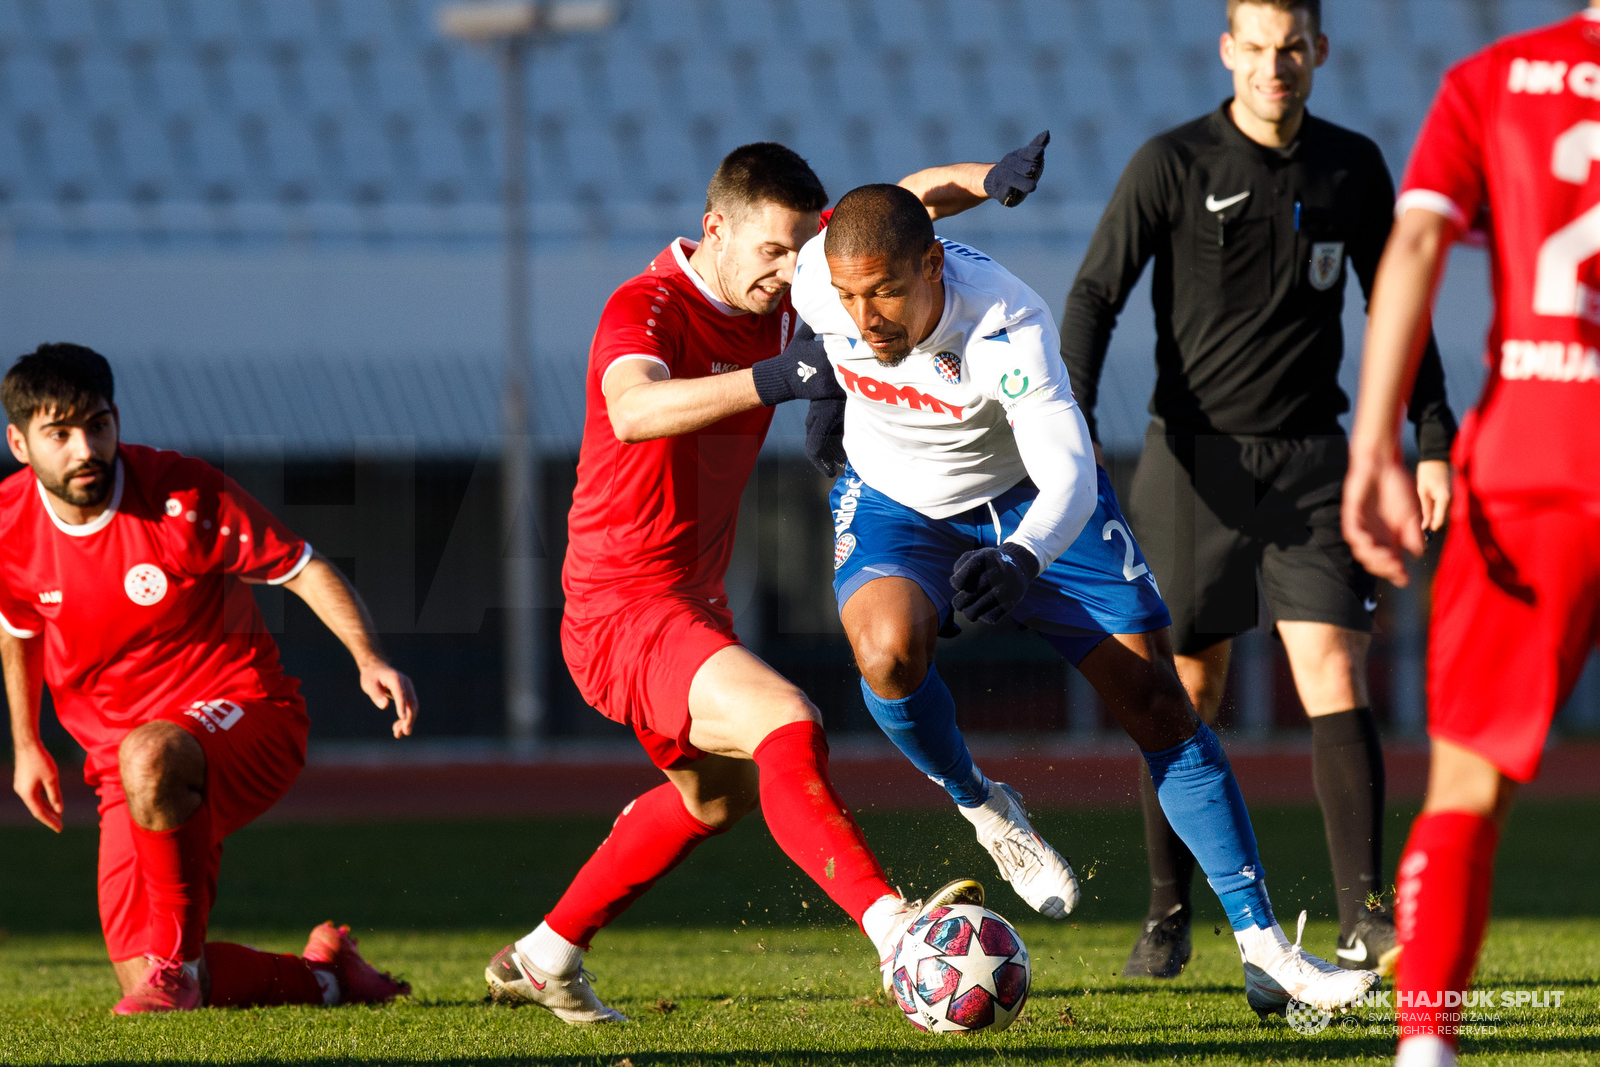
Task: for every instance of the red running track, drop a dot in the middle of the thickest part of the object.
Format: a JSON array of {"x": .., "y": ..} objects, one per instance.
[{"x": 1107, "y": 778}]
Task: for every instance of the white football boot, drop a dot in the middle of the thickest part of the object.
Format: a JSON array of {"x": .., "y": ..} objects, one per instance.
[
  {"x": 960, "y": 891},
  {"x": 1424, "y": 1050},
  {"x": 1276, "y": 972},
  {"x": 1036, "y": 871},
  {"x": 514, "y": 981}
]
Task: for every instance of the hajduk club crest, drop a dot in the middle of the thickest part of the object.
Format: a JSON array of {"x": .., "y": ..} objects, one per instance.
[{"x": 948, "y": 364}]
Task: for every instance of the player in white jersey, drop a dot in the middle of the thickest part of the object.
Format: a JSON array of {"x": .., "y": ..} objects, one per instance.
[{"x": 972, "y": 485}]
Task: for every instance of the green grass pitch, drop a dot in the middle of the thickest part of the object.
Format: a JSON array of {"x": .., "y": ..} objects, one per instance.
[{"x": 736, "y": 959}]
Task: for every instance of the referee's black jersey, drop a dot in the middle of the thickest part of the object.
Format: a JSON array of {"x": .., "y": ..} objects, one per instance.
[{"x": 1250, "y": 244}]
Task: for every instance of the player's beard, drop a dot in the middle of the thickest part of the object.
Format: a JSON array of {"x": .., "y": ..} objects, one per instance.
[
  {"x": 734, "y": 292},
  {"x": 91, "y": 495}
]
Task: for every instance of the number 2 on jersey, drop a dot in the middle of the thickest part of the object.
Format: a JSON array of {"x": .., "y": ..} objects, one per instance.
[
  {"x": 1556, "y": 288},
  {"x": 1130, "y": 569}
]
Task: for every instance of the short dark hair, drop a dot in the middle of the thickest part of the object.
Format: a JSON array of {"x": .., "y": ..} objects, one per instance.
[
  {"x": 879, "y": 220},
  {"x": 764, "y": 172},
  {"x": 1313, "y": 8},
  {"x": 59, "y": 378}
]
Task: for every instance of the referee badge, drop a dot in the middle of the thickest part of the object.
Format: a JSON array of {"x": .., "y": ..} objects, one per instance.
[
  {"x": 948, "y": 364},
  {"x": 1327, "y": 260}
]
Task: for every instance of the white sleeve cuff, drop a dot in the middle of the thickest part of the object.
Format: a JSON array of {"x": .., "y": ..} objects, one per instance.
[
  {"x": 1428, "y": 200},
  {"x": 299, "y": 565},
  {"x": 15, "y": 631}
]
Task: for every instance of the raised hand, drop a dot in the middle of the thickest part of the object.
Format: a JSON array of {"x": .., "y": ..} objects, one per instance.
[{"x": 1014, "y": 177}]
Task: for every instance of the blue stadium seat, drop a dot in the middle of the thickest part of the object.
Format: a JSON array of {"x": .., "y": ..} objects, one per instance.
[{"x": 300, "y": 105}]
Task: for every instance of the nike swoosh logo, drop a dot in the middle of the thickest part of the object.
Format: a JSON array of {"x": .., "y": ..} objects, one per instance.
[
  {"x": 1213, "y": 204},
  {"x": 1358, "y": 954},
  {"x": 1371, "y": 603},
  {"x": 540, "y": 985}
]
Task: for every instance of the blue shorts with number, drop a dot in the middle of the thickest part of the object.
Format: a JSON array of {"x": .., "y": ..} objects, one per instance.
[{"x": 1099, "y": 586}]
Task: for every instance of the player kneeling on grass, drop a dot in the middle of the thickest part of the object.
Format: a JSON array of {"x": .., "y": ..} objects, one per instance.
[
  {"x": 122, "y": 585},
  {"x": 971, "y": 484},
  {"x": 686, "y": 365}
]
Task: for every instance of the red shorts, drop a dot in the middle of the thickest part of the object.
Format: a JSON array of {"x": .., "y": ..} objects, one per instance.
[
  {"x": 254, "y": 752},
  {"x": 1516, "y": 609},
  {"x": 636, "y": 666}
]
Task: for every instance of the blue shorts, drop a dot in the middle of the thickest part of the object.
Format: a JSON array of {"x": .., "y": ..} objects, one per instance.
[{"x": 1099, "y": 586}]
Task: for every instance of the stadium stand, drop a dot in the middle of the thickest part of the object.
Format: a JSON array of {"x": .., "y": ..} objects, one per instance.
[{"x": 191, "y": 129}]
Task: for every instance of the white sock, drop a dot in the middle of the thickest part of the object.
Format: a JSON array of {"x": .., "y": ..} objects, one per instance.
[
  {"x": 997, "y": 809},
  {"x": 330, "y": 986},
  {"x": 1424, "y": 1050},
  {"x": 550, "y": 952},
  {"x": 879, "y": 922},
  {"x": 1262, "y": 944}
]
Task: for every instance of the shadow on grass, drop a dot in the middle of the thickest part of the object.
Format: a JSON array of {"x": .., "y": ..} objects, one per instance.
[{"x": 954, "y": 1051}]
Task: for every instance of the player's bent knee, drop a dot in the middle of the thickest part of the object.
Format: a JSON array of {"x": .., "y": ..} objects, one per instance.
[
  {"x": 158, "y": 751},
  {"x": 892, "y": 662}
]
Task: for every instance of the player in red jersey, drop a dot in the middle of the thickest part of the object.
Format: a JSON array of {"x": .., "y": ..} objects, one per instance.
[
  {"x": 686, "y": 363},
  {"x": 1511, "y": 146},
  {"x": 123, "y": 575}
]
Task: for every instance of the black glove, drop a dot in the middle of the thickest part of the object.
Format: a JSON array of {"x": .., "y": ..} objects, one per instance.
[
  {"x": 989, "y": 582},
  {"x": 801, "y": 373},
  {"x": 825, "y": 436},
  {"x": 1014, "y": 177}
]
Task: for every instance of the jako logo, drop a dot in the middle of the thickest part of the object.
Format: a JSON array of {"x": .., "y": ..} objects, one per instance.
[
  {"x": 872, "y": 389},
  {"x": 52, "y": 597},
  {"x": 724, "y": 368},
  {"x": 215, "y": 715}
]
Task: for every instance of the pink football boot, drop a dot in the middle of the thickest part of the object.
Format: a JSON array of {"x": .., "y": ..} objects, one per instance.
[
  {"x": 359, "y": 981},
  {"x": 166, "y": 986}
]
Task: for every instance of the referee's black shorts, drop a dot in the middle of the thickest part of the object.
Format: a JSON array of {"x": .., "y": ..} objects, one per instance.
[{"x": 1213, "y": 511}]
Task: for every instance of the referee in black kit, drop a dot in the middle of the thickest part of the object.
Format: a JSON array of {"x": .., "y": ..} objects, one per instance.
[{"x": 1250, "y": 213}]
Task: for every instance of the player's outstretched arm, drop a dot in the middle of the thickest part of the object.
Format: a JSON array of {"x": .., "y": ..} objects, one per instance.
[
  {"x": 958, "y": 187},
  {"x": 1381, "y": 515},
  {"x": 339, "y": 606},
  {"x": 35, "y": 777}
]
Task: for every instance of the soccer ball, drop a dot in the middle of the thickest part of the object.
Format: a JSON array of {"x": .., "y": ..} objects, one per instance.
[{"x": 961, "y": 969}]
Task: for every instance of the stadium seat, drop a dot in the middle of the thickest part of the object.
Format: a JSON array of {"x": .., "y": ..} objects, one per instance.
[{"x": 295, "y": 102}]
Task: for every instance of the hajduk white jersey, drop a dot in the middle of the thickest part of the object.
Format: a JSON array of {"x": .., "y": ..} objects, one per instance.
[{"x": 933, "y": 432}]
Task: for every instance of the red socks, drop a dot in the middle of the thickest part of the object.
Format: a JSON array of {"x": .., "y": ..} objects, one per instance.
[
  {"x": 245, "y": 978},
  {"x": 176, "y": 865},
  {"x": 1441, "y": 911},
  {"x": 810, "y": 822},
  {"x": 652, "y": 835},
  {"x": 655, "y": 832}
]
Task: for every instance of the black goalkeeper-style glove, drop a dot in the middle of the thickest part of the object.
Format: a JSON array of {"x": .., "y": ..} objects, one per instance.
[
  {"x": 990, "y": 582},
  {"x": 825, "y": 435},
  {"x": 800, "y": 373},
  {"x": 1014, "y": 177}
]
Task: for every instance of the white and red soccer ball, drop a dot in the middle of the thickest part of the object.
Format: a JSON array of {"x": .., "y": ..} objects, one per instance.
[{"x": 961, "y": 969}]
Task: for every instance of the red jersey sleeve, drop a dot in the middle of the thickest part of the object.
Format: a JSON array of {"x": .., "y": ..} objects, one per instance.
[
  {"x": 635, "y": 325},
  {"x": 1446, "y": 174},
  {"x": 17, "y": 616},
  {"x": 220, "y": 528}
]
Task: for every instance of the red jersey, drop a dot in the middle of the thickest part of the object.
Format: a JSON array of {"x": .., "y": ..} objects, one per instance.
[
  {"x": 660, "y": 515},
  {"x": 1512, "y": 143},
  {"x": 145, "y": 608}
]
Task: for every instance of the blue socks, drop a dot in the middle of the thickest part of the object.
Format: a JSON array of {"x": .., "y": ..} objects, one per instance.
[
  {"x": 923, "y": 726},
  {"x": 1202, "y": 801}
]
